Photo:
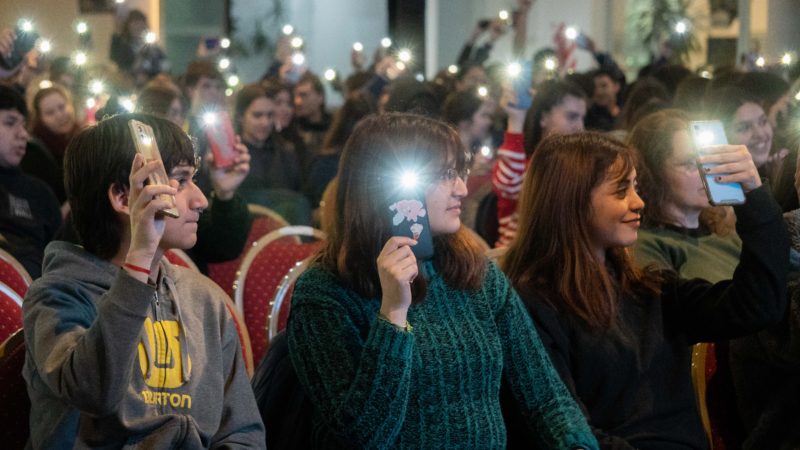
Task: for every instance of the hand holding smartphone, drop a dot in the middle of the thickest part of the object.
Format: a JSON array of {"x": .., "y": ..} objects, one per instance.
[
  {"x": 221, "y": 138},
  {"x": 409, "y": 217},
  {"x": 708, "y": 133},
  {"x": 145, "y": 142},
  {"x": 24, "y": 42},
  {"x": 522, "y": 86}
]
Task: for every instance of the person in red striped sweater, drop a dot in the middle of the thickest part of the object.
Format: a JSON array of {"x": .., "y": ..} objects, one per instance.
[{"x": 559, "y": 107}]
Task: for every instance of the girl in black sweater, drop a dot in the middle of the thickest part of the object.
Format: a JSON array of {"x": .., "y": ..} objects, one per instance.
[{"x": 621, "y": 337}]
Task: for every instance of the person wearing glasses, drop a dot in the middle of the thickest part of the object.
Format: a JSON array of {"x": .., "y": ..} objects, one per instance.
[{"x": 398, "y": 352}]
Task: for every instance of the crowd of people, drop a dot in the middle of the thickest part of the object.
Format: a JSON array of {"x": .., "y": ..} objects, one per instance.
[{"x": 563, "y": 256}]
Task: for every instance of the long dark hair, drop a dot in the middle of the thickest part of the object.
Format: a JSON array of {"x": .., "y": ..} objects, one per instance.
[
  {"x": 357, "y": 106},
  {"x": 377, "y": 148},
  {"x": 548, "y": 95},
  {"x": 551, "y": 254}
]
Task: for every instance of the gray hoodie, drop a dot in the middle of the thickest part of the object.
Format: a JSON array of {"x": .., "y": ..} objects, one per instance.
[{"x": 113, "y": 362}]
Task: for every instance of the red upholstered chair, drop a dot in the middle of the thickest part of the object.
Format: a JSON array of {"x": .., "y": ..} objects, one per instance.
[
  {"x": 281, "y": 303},
  {"x": 16, "y": 406},
  {"x": 13, "y": 274},
  {"x": 715, "y": 395},
  {"x": 10, "y": 311},
  {"x": 178, "y": 257},
  {"x": 244, "y": 336},
  {"x": 261, "y": 272},
  {"x": 265, "y": 220}
]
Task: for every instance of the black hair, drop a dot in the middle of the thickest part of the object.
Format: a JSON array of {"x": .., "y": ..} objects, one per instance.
[
  {"x": 99, "y": 158},
  {"x": 460, "y": 106},
  {"x": 10, "y": 98},
  {"x": 548, "y": 95}
]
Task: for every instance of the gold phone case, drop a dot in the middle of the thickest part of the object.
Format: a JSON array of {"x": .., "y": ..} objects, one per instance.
[{"x": 145, "y": 142}]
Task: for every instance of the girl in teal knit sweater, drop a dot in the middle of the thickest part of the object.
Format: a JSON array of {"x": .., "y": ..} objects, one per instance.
[{"x": 399, "y": 353}]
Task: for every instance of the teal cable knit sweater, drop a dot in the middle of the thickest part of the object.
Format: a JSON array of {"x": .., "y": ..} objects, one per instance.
[{"x": 374, "y": 385}]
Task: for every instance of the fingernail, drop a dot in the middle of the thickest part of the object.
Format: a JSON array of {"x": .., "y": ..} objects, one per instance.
[{"x": 719, "y": 179}]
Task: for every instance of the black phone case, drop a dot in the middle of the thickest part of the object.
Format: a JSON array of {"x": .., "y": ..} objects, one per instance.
[{"x": 409, "y": 217}]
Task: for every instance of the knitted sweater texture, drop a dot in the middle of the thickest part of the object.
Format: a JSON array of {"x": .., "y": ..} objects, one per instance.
[{"x": 374, "y": 385}]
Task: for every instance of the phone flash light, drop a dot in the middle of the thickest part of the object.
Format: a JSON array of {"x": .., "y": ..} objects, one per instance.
[
  {"x": 150, "y": 37},
  {"x": 452, "y": 68},
  {"x": 91, "y": 103},
  {"x": 550, "y": 64},
  {"x": 287, "y": 29},
  {"x": 386, "y": 42},
  {"x": 96, "y": 87},
  {"x": 408, "y": 179},
  {"x": 705, "y": 138},
  {"x": 681, "y": 27},
  {"x": 571, "y": 33},
  {"x": 514, "y": 69},
  {"x": 483, "y": 91},
  {"x": 127, "y": 103},
  {"x": 26, "y": 25},
  {"x": 45, "y": 46},
  {"x": 503, "y": 14},
  {"x": 330, "y": 74},
  {"x": 81, "y": 27},
  {"x": 44, "y": 84},
  {"x": 224, "y": 63},
  {"x": 209, "y": 118},
  {"x": 358, "y": 46},
  {"x": 225, "y": 43},
  {"x": 486, "y": 151},
  {"x": 233, "y": 80},
  {"x": 786, "y": 60},
  {"x": 146, "y": 140},
  {"x": 298, "y": 59},
  {"x": 400, "y": 65},
  {"x": 79, "y": 58},
  {"x": 404, "y": 55},
  {"x": 297, "y": 42},
  {"x": 797, "y": 97},
  {"x": 760, "y": 62}
]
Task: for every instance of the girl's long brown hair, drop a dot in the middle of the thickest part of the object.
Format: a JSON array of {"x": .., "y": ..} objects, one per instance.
[
  {"x": 552, "y": 253},
  {"x": 379, "y": 146}
]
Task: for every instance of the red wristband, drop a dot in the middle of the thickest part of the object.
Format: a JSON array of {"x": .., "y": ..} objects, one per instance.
[{"x": 137, "y": 268}]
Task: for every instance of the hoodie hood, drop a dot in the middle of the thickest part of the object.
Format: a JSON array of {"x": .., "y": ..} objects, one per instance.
[{"x": 71, "y": 261}]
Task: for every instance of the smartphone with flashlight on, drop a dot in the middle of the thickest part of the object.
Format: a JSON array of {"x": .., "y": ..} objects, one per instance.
[
  {"x": 145, "y": 142},
  {"x": 521, "y": 84},
  {"x": 221, "y": 138},
  {"x": 24, "y": 42},
  {"x": 711, "y": 132},
  {"x": 409, "y": 215}
]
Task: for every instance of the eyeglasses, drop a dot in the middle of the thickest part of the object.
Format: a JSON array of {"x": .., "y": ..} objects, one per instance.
[{"x": 448, "y": 177}]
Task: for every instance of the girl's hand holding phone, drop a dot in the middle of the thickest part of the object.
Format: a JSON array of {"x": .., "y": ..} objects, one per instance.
[
  {"x": 397, "y": 268},
  {"x": 226, "y": 180},
  {"x": 145, "y": 203},
  {"x": 734, "y": 165}
]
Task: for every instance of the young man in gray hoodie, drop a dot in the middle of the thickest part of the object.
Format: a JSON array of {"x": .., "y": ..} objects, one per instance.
[{"x": 124, "y": 350}]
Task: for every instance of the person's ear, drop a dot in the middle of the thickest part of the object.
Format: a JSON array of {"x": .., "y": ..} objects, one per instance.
[
  {"x": 118, "y": 196},
  {"x": 545, "y": 120}
]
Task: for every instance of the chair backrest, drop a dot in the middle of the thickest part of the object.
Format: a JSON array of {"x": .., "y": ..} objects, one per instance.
[
  {"x": 700, "y": 381},
  {"x": 716, "y": 395},
  {"x": 13, "y": 274},
  {"x": 261, "y": 272},
  {"x": 244, "y": 336},
  {"x": 279, "y": 307},
  {"x": 10, "y": 311},
  {"x": 265, "y": 221},
  {"x": 16, "y": 406},
  {"x": 178, "y": 257}
]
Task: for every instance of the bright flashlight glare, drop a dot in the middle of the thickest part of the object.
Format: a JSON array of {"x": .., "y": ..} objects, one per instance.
[
  {"x": 26, "y": 25},
  {"x": 503, "y": 14},
  {"x": 44, "y": 84},
  {"x": 400, "y": 65},
  {"x": 571, "y": 33},
  {"x": 119, "y": 1},
  {"x": 514, "y": 69},
  {"x": 358, "y": 46},
  {"x": 452, "y": 68},
  {"x": 797, "y": 97},
  {"x": 298, "y": 59},
  {"x": 705, "y": 138},
  {"x": 408, "y": 179},
  {"x": 419, "y": 77},
  {"x": 45, "y": 46},
  {"x": 297, "y": 42},
  {"x": 127, "y": 103},
  {"x": 90, "y": 103},
  {"x": 225, "y": 43},
  {"x": 404, "y": 55},
  {"x": 760, "y": 62},
  {"x": 786, "y": 60},
  {"x": 483, "y": 91},
  {"x": 706, "y": 74},
  {"x": 150, "y": 37},
  {"x": 146, "y": 140},
  {"x": 550, "y": 64},
  {"x": 96, "y": 87},
  {"x": 288, "y": 29},
  {"x": 209, "y": 118},
  {"x": 386, "y": 42},
  {"x": 233, "y": 80},
  {"x": 79, "y": 58},
  {"x": 486, "y": 151},
  {"x": 224, "y": 63},
  {"x": 681, "y": 27},
  {"x": 228, "y": 92},
  {"x": 81, "y": 27},
  {"x": 330, "y": 74}
]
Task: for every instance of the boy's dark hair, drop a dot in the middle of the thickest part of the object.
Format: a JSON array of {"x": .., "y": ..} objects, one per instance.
[
  {"x": 200, "y": 69},
  {"x": 549, "y": 95},
  {"x": 101, "y": 156},
  {"x": 10, "y": 98},
  {"x": 460, "y": 106},
  {"x": 316, "y": 83}
]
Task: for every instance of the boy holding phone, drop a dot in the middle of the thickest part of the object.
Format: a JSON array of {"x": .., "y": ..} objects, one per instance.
[{"x": 121, "y": 348}]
